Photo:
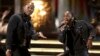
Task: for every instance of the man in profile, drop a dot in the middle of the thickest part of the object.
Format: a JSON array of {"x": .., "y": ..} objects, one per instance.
[{"x": 20, "y": 31}]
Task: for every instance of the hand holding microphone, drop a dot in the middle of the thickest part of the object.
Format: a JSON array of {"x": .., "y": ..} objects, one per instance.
[{"x": 63, "y": 25}]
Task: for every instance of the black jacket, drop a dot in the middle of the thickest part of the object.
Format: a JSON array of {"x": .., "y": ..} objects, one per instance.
[
  {"x": 75, "y": 37},
  {"x": 19, "y": 31}
]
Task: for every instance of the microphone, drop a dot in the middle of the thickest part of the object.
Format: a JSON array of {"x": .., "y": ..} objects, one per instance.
[{"x": 61, "y": 25}]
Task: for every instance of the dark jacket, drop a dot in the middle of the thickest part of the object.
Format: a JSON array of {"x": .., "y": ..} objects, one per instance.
[
  {"x": 19, "y": 31},
  {"x": 75, "y": 37}
]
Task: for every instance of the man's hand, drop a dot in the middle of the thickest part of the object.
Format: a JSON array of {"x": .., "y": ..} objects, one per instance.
[
  {"x": 8, "y": 52},
  {"x": 41, "y": 35},
  {"x": 62, "y": 25},
  {"x": 89, "y": 43},
  {"x": 62, "y": 28}
]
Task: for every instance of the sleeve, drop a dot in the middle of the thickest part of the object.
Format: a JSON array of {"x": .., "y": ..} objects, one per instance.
[
  {"x": 34, "y": 34},
  {"x": 91, "y": 30},
  {"x": 12, "y": 25}
]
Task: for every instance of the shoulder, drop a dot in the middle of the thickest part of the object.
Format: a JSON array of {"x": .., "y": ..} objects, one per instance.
[
  {"x": 82, "y": 22},
  {"x": 87, "y": 24},
  {"x": 15, "y": 17},
  {"x": 79, "y": 21}
]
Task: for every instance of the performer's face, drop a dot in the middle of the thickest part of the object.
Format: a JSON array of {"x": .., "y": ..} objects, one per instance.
[
  {"x": 68, "y": 17},
  {"x": 29, "y": 8}
]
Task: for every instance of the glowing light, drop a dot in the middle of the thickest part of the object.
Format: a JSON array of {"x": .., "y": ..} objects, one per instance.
[
  {"x": 39, "y": 7},
  {"x": 35, "y": 24},
  {"x": 39, "y": 17},
  {"x": 38, "y": 4},
  {"x": 42, "y": 13}
]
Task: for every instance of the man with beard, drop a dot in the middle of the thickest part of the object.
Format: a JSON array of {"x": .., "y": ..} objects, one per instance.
[{"x": 76, "y": 35}]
